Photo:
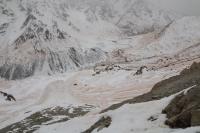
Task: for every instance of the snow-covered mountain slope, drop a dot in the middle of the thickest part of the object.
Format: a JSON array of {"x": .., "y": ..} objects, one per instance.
[
  {"x": 137, "y": 118},
  {"x": 180, "y": 39},
  {"x": 56, "y": 36},
  {"x": 108, "y": 51}
]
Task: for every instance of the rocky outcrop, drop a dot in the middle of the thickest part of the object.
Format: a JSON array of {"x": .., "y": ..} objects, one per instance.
[
  {"x": 106, "y": 67},
  {"x": 187, "y": 78},
  {"x": 8, "y": 97},
  {"x": 36, "y": 31},
  {"x": 51, "y": 62},
  {"x": 104, "y": 122},
  {"x": 184, "y": 110},
  {"x": 46, "y": 117},
  {"x": 140, "y": 71}
]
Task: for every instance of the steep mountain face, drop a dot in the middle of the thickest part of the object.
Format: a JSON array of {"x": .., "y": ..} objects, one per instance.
[{"x": 56, "y": 36}]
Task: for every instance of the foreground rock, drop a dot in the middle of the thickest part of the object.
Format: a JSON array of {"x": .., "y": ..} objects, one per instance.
[
  {"x": 187, "y": 78},
  {"x": 104, "y": 122},
  {"x": 184, "y": 109}
]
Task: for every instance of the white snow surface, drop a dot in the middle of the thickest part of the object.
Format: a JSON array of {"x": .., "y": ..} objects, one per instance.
[
  {"x": 129, "y": 33},
  {"x": 127, "y": 119}
]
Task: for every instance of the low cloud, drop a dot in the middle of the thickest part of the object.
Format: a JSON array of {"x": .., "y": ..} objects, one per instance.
[{"x": 188, "y": 7}]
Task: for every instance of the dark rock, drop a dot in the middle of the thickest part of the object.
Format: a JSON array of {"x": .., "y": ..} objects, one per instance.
[
  {"x": 58, "y": 62},
  {"x": 55, "y": 63},
  {"x": 98, "y": 72},
  {"x": 187, "y": 78},
  {"x": 106, "y": 68},
  {"x": 48, "y": 35},
  {"x": 140, "y": 71},
  {"x": 3, "y": 27},
  {"x": 9, "y": 97},
  {"x": 195, "y": 120},
  {"x": 7, "y": 12},
  {"x": 104, "y": 122},
  {"x": 27, "y": 35},
  {"x": 183, "y": 110},
  {"x": 75, "y": 56},
  {"x": 12, "y": 72}
]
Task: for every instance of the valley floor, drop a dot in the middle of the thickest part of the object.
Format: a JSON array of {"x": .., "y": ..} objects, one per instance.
[{"x": 85, "y": 88}]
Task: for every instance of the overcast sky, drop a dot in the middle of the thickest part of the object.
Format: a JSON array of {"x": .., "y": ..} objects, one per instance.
[{"x": 190, "y": 7}]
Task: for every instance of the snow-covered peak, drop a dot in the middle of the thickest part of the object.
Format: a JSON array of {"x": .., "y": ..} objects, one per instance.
[
  {"x": 56, "y": 36},
  {"x": 130, "y": 16}
]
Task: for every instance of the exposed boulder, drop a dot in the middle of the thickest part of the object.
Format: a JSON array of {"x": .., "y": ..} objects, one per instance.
[
  {"x": 141, "y": 70},
  {"x": 49, "y": 61},
  {"x": 99, "y": 68},
  {"x": 104, "y": 122},
  {"x": 184, "y": 110},
  {"x": 17, "y": 71},
  {"x": 8, "y": 97}
]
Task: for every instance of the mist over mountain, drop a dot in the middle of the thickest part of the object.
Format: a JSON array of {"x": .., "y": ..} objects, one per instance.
[{"x": 187, "y": 7}]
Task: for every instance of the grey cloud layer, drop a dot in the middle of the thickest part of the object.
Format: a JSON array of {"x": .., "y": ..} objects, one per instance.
[{"x": 189, "y": 7}]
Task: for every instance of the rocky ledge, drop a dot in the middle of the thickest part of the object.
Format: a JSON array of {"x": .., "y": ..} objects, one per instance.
[
  {"x": 8, "y": 97},
  {"x": 187, "y": 78},
  {"x": 184, "y": 109}
]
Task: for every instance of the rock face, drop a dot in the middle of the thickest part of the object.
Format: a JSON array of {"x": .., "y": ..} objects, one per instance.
[
  {"x": 184, "y": 109},
  {"x": 8, "y": 97},
  {"x": 104, "y": 122},
  {"x": 51, "y": 62},
  {"x": 140, "y": 71}
]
